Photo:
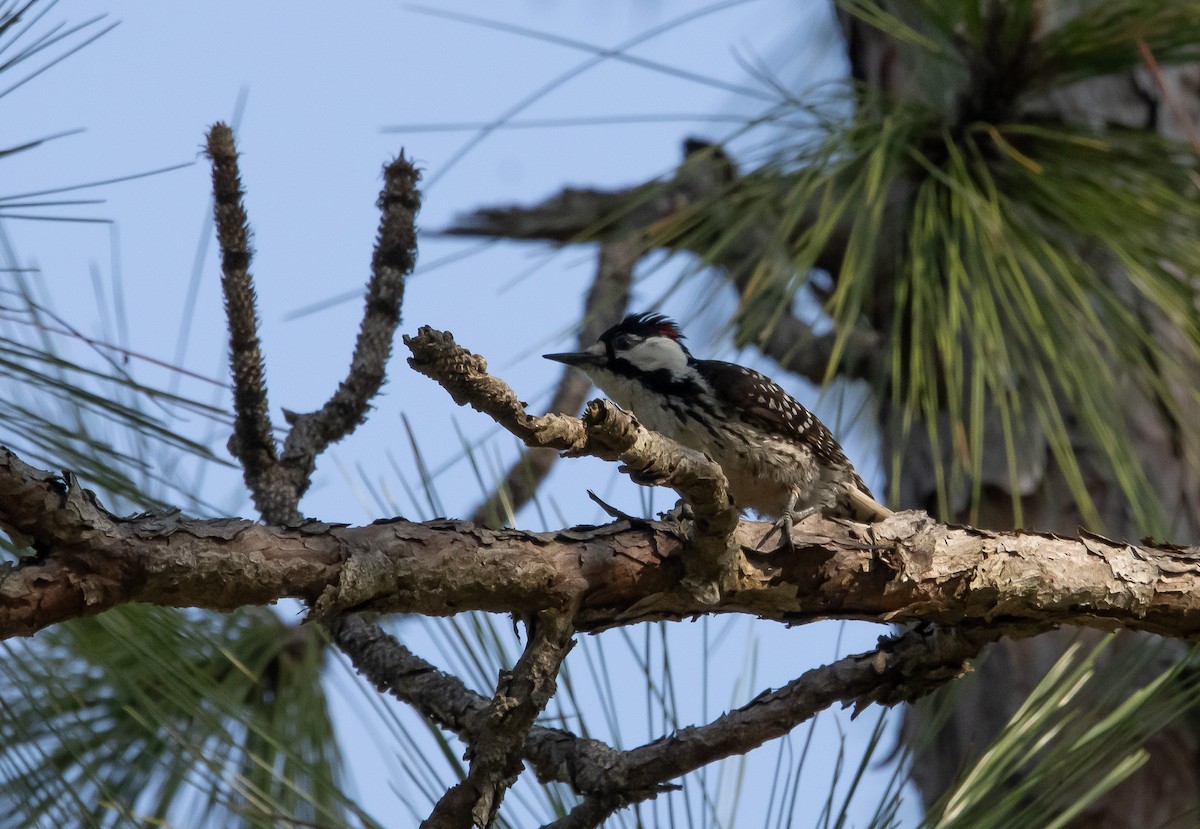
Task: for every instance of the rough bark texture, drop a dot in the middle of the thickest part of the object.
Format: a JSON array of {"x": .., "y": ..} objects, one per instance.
[
  {"x": 607, "y": 432},
  {"x": 905, "y": 569},
  {"x": 278, "y": 479},
  {"x": 499, "y": 740}
]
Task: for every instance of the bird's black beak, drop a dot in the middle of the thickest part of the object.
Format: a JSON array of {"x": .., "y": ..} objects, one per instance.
[{"x": 579, "y": 359}]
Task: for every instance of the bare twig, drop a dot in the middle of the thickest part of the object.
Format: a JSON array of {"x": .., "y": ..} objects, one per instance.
[
  {"x": 604, "y": 306},
  {"x": 496, "y": 752},
  {"x": 901, "y": 668},
  {"x": 589, "y": 813},
  {"x": 391, "y": 667},
  {"x": 554, "y": 754},
  {"x": 277, "y": 481},
  {"x": 252, "y": 442},
  {"x": 394, "y": 258}
]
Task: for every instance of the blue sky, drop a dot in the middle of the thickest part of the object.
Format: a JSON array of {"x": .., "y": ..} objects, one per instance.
[{"x": 325, "y": 93}]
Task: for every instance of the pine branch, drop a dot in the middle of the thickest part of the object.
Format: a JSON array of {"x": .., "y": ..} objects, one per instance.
[
  {"x": 905, "y": 569},
  {"x": 652, "y": 210},
  {"x": 902, "y": 667},
  {"x": 589, "y": 813},
  {"x": 554, "y": 754},
  {"x": 277, "y": 481},
  {"x": 252, "y": 442},
  {"x": 394, "y": 259},
  {"x": 521, "y": 694}
]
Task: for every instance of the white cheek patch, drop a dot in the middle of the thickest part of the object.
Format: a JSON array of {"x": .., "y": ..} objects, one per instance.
[
  {"x": 658, "y": 353},
  {"x": 620, "y": 390}
]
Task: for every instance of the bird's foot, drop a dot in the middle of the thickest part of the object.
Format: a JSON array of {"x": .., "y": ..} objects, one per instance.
[
  {"x": 784, "y": 523},
  {"x": 681, "y": 515}
]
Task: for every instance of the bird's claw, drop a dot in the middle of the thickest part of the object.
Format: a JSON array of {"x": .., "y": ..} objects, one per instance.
[
  {"x": 784, "y": 523},
  {"x": 682, "y": 511},
  {"x": 680, "y": 515}
]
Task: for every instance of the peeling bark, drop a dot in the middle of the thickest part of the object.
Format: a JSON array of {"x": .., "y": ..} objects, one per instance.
[{"x": 905, "y": 569}]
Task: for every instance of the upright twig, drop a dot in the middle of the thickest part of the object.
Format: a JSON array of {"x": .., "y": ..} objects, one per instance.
[
  {"x": 394, "y": 259},
  {"x": 277, "y": 481},
  {"x": 252, "y": 442}
]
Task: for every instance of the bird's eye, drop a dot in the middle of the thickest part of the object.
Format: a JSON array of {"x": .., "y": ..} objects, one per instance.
[{"x": 623, "y": 342}]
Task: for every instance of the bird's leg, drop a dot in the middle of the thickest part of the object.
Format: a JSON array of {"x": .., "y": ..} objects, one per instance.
[
  {"x": 681, "y": 515},
  {"x": 785, "y": 522},
  {"x": 682, "y": 511}
]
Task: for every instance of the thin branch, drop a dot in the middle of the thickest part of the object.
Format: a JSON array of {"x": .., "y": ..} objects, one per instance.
[
  {"x": 589, "y": 813},
  {"x": 252, "y": 442},
  {"x": 391, "y": 667},
  {"x": 900, "y": 669},
  {"x": 277, "y": 482},
  {"x": 553, "y": 753},
  {"x": 394, "y": 259},
  {"x": 903, "y": 667},
  {"x": 605, "y": 305},
  {"x": 496, "y": 751},
  {"x": 605, "y": 432}
]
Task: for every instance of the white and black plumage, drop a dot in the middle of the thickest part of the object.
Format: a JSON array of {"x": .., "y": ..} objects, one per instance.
[{"x": 780, "y": 460}]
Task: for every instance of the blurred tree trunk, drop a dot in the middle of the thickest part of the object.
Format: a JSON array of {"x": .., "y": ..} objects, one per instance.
[{"x": 947, "y": 732}]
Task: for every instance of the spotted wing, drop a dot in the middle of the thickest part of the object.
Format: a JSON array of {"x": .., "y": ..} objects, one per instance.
[{"x": 765, "y": 404}]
